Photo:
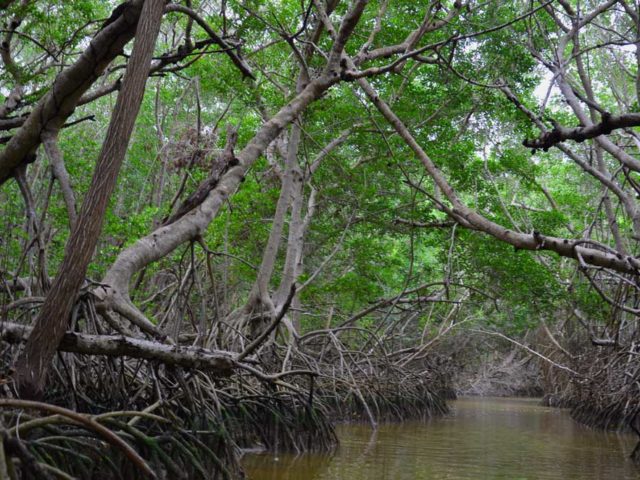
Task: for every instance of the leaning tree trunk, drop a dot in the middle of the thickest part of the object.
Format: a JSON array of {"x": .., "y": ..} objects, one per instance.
[
  {"x": 114, "y": 293},
  {"x": 51, "y": 324}
]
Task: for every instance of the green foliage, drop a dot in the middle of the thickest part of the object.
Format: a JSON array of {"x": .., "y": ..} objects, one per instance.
[{"x": 364, "y": 186}]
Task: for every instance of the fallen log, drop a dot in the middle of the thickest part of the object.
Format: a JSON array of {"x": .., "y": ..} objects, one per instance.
[{"x": 218, "y": 361}]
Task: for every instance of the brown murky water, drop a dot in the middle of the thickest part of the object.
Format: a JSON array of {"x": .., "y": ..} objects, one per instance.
[{"x": 488, "y": 438}]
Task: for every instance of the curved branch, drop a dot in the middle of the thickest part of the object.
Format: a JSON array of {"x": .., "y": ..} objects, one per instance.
[
  {"x": 167, "y": 238},
  {"x": 536, "y": 241},
  {"x": 560, "y": 134},
  {"x": 218, "y": 361},
  {"x": 89, "y": 423},
  {"x": 60, "y": 102}
]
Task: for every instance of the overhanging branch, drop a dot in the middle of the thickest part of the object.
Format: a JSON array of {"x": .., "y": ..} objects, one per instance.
[{"x": 560, "y": 134}]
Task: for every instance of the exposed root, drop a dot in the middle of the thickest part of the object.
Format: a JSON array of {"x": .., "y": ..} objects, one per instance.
[
  {"x": 607, "y": 394},
  {"x": 65, "y": 446},
  {"x": 187, "y": 409}
]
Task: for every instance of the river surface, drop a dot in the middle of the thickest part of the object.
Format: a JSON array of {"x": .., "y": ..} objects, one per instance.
[{"x": 483, "y": 438}]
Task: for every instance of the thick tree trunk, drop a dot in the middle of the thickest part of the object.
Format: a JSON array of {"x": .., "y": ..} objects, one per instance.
[
  {"x": 295, "y": 239},
  {"x": 167, "y": 238},
  {"x": 51, "y": 324},
  {"x": 261, "y": 286},
  {"x": 298, "y": 226}
]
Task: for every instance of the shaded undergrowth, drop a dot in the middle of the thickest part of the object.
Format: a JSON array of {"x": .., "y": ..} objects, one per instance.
[
  {"x": 183, "y": 423},
  {"x": 604, "y": 389}
]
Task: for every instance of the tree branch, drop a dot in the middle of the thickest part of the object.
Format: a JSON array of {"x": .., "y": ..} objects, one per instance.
[{"x": 559, "y": 133}]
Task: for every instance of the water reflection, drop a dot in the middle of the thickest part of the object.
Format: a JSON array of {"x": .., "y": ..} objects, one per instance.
[{"x": 483, "y": 439}]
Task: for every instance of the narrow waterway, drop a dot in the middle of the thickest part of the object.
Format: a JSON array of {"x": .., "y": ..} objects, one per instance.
[{"x": 483, "y": 438}]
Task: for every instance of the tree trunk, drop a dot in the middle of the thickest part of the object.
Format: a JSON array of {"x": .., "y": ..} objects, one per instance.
[
  {"x": 261, "y": 286},
  {"x": 167, "y": 238},
  {"x": 51, "y": 324}
]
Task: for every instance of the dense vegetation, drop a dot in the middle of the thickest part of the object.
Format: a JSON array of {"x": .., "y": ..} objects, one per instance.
[{"x": 226, "y": 223}]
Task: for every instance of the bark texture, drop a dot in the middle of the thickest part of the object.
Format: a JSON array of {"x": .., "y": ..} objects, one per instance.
[
  {"x": 51, "y": 324},
  {"x": 60, "y": 102},
  {"x": 215, "y": 361}
]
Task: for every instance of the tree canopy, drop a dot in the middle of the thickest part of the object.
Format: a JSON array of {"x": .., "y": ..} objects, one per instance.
[{"x": 245, "y": 177}]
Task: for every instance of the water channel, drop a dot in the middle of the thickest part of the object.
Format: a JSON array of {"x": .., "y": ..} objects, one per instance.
[{"x": 482, "y": 438}]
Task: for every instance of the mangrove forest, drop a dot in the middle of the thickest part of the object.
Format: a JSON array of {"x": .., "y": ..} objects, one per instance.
[{"x": 320, "y": 239}]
